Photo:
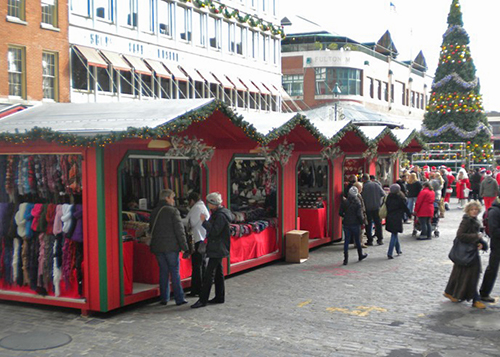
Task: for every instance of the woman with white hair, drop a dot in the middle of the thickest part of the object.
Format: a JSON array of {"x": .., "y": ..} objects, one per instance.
[
  {"x": 462, "y": 184},
  {"x": 218, "y": 245}
]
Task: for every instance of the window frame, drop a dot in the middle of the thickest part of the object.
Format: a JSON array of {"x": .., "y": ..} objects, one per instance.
[
  {"x": 130, "y": 15},
  {"x": 199, "y": 28},
  {"x": 231, "y": 37},
  {"x": 110, "y": 10},
  {"x": 53, "y": 16},
  {"x": 290, "y": 82},
  {"x": 217, "y": 22},
  {"x": 21, "y": 74},
  {"x": 346, "y": 77},
  {"x": 20, "y": 8},
  {"x": 169, "y": 17},
  {"x": 53, "y": 76},
  {"x": 185, "y": 26}
]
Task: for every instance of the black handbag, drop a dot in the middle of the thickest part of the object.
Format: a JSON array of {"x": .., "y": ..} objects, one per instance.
[{"x": 463, "y": 254}]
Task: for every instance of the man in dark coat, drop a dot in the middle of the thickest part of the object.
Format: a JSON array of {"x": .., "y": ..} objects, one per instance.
[
  {"x": 475, "y": 184},
  {"x": 490, "y": 275},
  {"x": 372, "y": 196},
  {"x": 168, "y": 239},
  {"x": 218, "y": 245}
]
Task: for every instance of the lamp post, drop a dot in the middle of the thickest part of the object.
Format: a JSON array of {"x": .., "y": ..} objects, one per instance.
[{"x": 336, "y": 95}]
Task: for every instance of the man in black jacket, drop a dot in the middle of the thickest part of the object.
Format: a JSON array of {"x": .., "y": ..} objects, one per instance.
[
  {"x": 168, "y": 239},
  {"x": 218, "y": 245},
  {"x": 490, "y": 274},
  {"x": 475, "y": 184}
]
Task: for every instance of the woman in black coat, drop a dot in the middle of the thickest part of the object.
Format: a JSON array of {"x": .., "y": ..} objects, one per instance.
[
  {"x": 462, "y": 284},
  {"x": 396, "y": 208},
  {"x": 351, "y": 212}
]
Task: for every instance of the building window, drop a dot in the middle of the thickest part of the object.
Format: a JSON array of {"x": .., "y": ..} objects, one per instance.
[
  {"x": 15, "y": 8},
  {"x": 240, "y": 35},
  {"x": 392, "y": 93},
  {"x": 230, "y": 37},
  {"x": 129, "y": 12},
  {"x": 294, "y": 84},
  {"x": 147, "y": 13},
  {"x": 49, "y": 73},
  {"x": 264, "y": 5},
  {"x": 165, "y": 17},
  {"x": 103, "y": 9},
  {"x": 185, "y": 24},
  {"x": 348, "y": 80},
  {"x": 17, "y": 73},
  {"x": 386, "y": 91},
  {"x": 379, "y": 90},
  {"x": 265, "y": 48},
  {"x": 276, "y": 50},
  {"x": 199, "y": 28},
  {"x": 214, "y": 32},
  {"x": 49, "y": 12},
  {"x": 372, "y": 89},
  {"x": 80, "y": 7},
  {"x": 254, "y": 43}
]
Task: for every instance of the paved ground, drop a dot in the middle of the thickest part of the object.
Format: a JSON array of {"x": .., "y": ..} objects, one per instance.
[{"x": 378, "y": 307}]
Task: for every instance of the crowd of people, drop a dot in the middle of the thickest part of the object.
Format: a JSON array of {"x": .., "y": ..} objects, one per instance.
[
  {"x": 419, "y": 195},
  {"x": 423, "y": 195}
]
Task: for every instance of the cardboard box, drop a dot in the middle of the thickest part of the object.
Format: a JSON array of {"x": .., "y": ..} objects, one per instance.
[{"x": 297, "y": 246}]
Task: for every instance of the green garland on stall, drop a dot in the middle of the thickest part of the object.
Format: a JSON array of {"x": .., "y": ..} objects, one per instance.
[{"x": 286, "y": 128}]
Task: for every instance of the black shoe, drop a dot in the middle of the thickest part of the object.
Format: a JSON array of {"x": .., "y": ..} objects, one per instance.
[
  {"x": 216, "y": 301},
  {"x": 487, "y": 298},
  {"x": 346, "y": 260},
  {"x": 400, "y": 252},
  {"x": 390, "y": 257},
  {"x": 361, "y": 257},
  {"x": 163, "y": 302},
  {"x": 181, "y": 303},
  {"x": 379, "y": 242},
  {"x": 369, "y": 243},
  {"x": 198, "y": 304}
]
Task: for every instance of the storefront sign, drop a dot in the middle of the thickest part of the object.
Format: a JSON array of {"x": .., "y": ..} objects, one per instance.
[{"x": 327, "y": 60}]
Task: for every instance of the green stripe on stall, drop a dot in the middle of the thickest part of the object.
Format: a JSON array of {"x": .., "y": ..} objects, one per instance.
[{"x": 101, "y": 231}]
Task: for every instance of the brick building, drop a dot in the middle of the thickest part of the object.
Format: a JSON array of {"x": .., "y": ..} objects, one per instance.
[{"x": 34, "y": 52}]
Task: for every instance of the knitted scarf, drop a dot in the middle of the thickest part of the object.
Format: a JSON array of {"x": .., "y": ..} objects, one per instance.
[
  {"x": 21, "y": 220},
  {"x": 57, "y": 220}
]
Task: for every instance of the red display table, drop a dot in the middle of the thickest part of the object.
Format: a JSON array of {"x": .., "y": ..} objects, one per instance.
[
  {"x": 313, "y": 220},
  {"x": 144, "y": 266},
  {"x": 253, "y": 245}
]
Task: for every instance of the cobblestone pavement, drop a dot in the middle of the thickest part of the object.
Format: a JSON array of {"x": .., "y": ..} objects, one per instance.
[{"x": 377, "y": 307}]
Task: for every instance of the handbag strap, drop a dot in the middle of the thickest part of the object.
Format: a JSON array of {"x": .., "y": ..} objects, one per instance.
[{"x": 156, "y": 219}]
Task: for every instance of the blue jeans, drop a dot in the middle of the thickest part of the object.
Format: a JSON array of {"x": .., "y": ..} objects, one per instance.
[
  {"x": 425, "y": 224},
  {"x": 169, "y": 265},
  {"x": 394, "y": 244},
  {"x": 351, "y": 232},
  {"x": 411, "y": 203}
]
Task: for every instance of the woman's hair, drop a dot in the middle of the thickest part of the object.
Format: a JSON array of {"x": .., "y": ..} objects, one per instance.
[
  {"x": 427, "y": 184},
  {"x": 470, "y": 205},
  {"x": 412, "y": 178},
  {"x": 439, "y": 178}
]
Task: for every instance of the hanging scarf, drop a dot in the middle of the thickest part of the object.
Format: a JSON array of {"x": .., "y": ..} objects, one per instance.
[
  {"x": 36, "y": 213},
  {"x": 16, "y": 260},
  {"x": 68, "y": 262},
  {"x": 48, "y": 262},
  {"x": 42, "y": 255},
  {"x": 10, "y": 175},
  {"x": 21, "y": 220},
  {"x": 57, "y": 263},
  {"x": 50, "y": 217},
  {"x": 31, "y": 174},
  {"x": 57, "y": 229},
  {"x": 66, "y": 217},
  {"x": 25, "y": 256}
]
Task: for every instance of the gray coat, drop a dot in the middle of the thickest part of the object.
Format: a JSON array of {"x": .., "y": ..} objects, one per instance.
[
  {"x": 372, "y": 195},
  {"x": 489, "y": 187},
  {"x": 168, "y": 234}
]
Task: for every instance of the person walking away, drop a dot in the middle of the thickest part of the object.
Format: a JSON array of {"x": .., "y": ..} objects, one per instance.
[
  {"x": 475, "y": 182},
  {"x": 359, "y": 186},
  {"x": 402, "y": 182},
  {"x": 463, "y": 183},
  {"x": 444, "y": 177},
  {"x": 449, "y": 190},
  {"x": 396, "y": 210},
  {"x": 463, "y": 281},
  {"x": 372, "y": 196},
  {"x": 424, "y": 210},
  {"x": 491, "y": 272},
  {"x": 168, "y": 239},
  {"x": 193, "y": 222},
  {"x": 488, "y": 189},
  {"x": 351, "y": 212},
  {"x": 437, "y": 186},
  {"x": 218, "y": 246},
  {"x": 414, "y": 187}
]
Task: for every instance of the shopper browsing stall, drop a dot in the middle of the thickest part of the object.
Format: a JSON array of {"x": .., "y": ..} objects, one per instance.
[{"x": 218, "y": 245}]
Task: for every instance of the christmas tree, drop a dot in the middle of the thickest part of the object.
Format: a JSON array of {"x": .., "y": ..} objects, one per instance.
[{"x": 455, "y": 112}]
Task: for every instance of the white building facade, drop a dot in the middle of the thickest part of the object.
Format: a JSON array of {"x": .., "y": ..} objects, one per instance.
[{"x": 162, "y": 49}]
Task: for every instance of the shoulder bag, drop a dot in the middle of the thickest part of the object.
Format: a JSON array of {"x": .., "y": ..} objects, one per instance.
[
  {"x": 463, "y": 254},
  {"x": 382, "y": 212},
  {"x": 149, "y": 232}
]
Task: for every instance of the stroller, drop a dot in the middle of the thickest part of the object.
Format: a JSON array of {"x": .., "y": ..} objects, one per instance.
[{"x": 434, "y": 222}]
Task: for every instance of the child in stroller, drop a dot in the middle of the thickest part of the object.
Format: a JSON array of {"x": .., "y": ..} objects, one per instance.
[{"x": 434, "y": 222}]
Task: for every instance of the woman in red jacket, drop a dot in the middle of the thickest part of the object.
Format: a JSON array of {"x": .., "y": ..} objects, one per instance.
[{"x": 424, "y": 210}]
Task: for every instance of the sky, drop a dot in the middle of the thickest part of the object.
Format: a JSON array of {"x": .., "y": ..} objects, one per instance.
[{"x": 414, "y": 25}]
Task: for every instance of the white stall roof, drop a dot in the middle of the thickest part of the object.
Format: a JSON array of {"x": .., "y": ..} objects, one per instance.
[
  {"x": 265, "y": 122},
  {"x": 372, "y": 132},
  {"x": 99, "y": 118},
  {"x": 402, "y": 134}
]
